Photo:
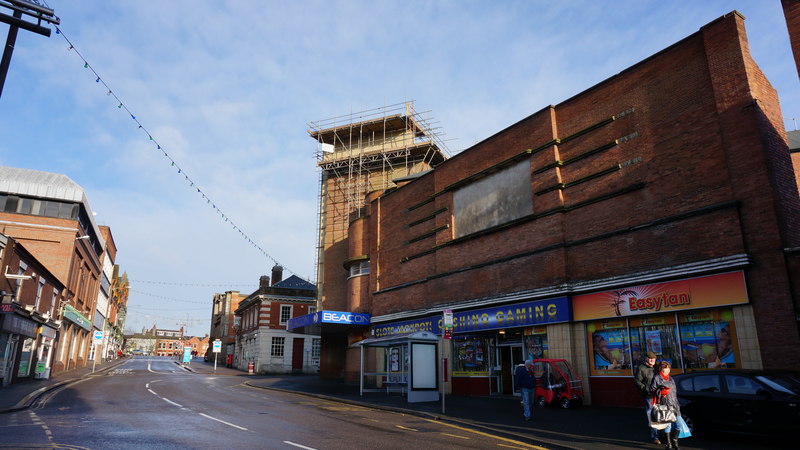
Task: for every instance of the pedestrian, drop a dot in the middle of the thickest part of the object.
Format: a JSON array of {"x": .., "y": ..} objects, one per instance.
[
  {"x": 664, "y": 391},
  {"x": 643, "y": 378},
  {"x": 526, "y": 383}
]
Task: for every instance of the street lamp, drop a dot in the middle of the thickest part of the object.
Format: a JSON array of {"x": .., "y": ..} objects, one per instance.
[{"x": 30, "y": 8}]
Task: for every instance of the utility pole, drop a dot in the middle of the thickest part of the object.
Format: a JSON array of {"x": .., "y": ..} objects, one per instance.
[{"x": 30, "y": 8}]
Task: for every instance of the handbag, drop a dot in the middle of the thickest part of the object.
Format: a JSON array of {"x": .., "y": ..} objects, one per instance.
[{"x": 661, "y": 412}]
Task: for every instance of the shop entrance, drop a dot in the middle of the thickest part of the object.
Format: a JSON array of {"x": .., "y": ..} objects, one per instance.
[{"x": 508, "y": 357}]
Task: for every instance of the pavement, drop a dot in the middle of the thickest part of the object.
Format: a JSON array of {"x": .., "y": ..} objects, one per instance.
[{"x": 552, "y": 427}]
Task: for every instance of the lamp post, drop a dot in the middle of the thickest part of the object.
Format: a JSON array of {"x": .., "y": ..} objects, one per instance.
[{"x": 22, "y": 7}]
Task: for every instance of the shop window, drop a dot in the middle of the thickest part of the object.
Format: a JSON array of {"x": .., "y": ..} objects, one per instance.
[
  {"x": 315, "y": 347},
  {"x": 470, "y": 357},
  {"x": 707, "y": 338},
  {"x": 536, "y": 344},
  {"x": 656, "y": 334},
  {"x": 610, "y": 348}
]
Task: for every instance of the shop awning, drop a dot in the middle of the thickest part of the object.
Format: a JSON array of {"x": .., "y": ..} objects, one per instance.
[{"x": 79, "y": 319}]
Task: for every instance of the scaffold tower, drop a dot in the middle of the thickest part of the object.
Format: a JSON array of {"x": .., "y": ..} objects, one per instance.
[{"x": 358, "y": 153}]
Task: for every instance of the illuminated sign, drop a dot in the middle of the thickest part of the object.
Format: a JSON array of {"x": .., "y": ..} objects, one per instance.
[
  {"x": 336, "y": 317},
  {"x": 691, "y": 293}
]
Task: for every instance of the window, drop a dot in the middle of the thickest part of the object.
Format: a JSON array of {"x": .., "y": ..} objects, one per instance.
[
  {"x": 609, "y": 348},
  {"x": 54, "y": 302},
  {"x": 316, "y": 345},
  {"x": 277, "y": 346},
  {"x": 737, "y": 384},
  {"x": 312, "y": 309},
  {"x": 359, "y": 268},
  {"x": 470, "y": 356},
  {"x": 286, "y": 313},
  {"x": 39, "y": 293},
  {"x": 707, "y": 339},
  {"x": 702, "y": 383}
]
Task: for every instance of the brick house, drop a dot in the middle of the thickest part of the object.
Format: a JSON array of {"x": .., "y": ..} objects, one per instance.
[
  {"x": 657, "y": 210},
  {"x": 262, "y": 338}
]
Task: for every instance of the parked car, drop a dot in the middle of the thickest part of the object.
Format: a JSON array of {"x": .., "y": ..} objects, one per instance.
[{"x": 740, "y": 401}]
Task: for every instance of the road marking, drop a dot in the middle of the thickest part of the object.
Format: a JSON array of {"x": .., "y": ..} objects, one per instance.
[
  {"x": 226, "y": 423},
  {"x": 511, "y": 446},
  {"x": 456, "y": 436},
  {"x": 298, "y": 445},
  {"x": 171, "y": 402},
  {"x": 405, "y": 428},
  {"x": 511, "y": 441}
]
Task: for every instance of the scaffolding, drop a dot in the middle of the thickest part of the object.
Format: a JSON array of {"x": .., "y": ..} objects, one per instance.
[{"x": 367, "y": 151}]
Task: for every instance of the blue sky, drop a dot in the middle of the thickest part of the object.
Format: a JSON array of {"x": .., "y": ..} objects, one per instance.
[{"x": 228, "y": 89}]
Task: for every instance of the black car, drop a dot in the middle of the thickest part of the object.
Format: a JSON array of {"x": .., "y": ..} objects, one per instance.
[{"x": 740, "y": 401}]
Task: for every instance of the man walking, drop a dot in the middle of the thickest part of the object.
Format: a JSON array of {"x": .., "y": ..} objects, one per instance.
[
  {"x": 643, "y": 377},
  {"x": 526, "y": 383}
]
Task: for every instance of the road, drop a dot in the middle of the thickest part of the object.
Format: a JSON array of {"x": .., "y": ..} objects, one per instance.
[{"x": 151, "y": 402}]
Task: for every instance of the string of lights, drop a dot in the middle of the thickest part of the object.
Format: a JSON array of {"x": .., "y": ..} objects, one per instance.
[
  {"x": 158, "y": 147},
  {"x": 175, "y": 283},
  {"x": 170, "y": 298}
]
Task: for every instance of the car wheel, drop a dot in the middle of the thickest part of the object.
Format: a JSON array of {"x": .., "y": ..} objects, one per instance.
[
  {"x": 541, "y": 401},
  {"x": 566, "y": 403}
]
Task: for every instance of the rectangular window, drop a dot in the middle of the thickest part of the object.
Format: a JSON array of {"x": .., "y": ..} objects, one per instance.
[
  {"x": 39, "y": 293},
  {"x": 286, "y": 313},
  {"x": 54, "y": 302},
  {"x": 707, "y": 339},
  {"x": 277, "y": 346},
  {"x": 51, "y": 209},
  {"x": 470, "y": 356},
  {"x": 609, "y": 348},
  {"x": 316, "y": 345},
  {"x": 11, "y": 203}
]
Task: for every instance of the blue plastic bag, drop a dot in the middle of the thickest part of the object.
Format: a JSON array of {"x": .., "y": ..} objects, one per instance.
[{"x": 683, "y": 429}]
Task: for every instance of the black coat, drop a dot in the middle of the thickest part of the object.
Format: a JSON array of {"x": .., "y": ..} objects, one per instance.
[
  {"x": 644, "y": 375},
  {"x": 524, "y": 378}
]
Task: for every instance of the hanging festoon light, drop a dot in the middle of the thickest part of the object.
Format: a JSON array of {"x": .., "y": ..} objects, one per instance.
[{"x": 121, "y": 105}]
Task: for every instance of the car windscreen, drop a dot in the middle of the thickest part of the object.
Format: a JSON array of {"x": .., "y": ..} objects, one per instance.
[{"x": 781, "y": 383}]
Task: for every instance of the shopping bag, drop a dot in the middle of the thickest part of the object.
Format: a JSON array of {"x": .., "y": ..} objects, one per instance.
[{"x": 683, "y": 429}]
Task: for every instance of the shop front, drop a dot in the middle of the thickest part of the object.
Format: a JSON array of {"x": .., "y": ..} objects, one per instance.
[
  {"x": 488, "y": 343},
  {"x": 17, "y": 344},
  {"x": 691, "y": 323}
]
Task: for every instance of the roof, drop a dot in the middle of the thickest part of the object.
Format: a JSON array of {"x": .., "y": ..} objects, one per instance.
[
  {"x": 46, "y": 185},
  {"x": 295, "y": 282}
]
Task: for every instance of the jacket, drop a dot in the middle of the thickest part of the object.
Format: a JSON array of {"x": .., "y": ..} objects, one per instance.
[
  {"x": 671, "y": 399},
  {"x": 644, "y": 375},
  {"x": 524, "y": 379}
]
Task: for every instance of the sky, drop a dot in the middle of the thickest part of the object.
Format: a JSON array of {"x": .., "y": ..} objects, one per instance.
[{"x": 227, "y": 90}]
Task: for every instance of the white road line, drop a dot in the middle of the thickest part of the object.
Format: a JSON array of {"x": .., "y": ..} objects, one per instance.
[
  {"x": 152, "y": 392},
  {"x": 298, "y": 445},
  {"x": 171, "y": 402},
  {"x": 222, "y": 421}
]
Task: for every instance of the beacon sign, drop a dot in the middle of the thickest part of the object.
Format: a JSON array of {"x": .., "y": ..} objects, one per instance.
[
  {"x": 344, "y": 318},
  {"x": 335, "y": 317}
]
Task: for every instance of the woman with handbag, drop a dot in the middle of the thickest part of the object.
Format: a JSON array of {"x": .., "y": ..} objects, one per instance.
[{"x": 663, "y": 387}]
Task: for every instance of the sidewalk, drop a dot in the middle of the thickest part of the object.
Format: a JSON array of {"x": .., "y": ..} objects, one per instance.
[{"x": 20, "y": 395}]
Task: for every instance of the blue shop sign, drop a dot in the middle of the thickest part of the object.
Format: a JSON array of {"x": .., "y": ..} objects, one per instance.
[
  {"x": 338, "y": 317},
  {"x": 538, "y": 312}
]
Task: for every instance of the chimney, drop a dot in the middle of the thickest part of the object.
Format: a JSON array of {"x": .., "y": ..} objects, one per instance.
[
  {"x": 277, "y": 274},
  {"x": 263, "y": 281}
]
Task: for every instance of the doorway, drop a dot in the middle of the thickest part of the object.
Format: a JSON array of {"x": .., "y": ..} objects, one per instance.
[{"x": 509, "y": 356}]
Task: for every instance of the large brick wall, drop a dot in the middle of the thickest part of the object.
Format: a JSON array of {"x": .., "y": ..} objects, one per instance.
[{"x": 681, "y": 158}]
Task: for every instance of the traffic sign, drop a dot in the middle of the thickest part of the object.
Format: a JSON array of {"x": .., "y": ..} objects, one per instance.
[
  {"x": 98, "y": 335},
  {"x": 217, "y": 346}
]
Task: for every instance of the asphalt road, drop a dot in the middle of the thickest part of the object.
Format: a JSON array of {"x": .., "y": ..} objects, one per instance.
[{"x": 151, "y": 402}]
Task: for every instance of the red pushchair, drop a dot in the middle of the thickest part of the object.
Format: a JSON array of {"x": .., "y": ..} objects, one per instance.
[{"x": 557, "y": 383}]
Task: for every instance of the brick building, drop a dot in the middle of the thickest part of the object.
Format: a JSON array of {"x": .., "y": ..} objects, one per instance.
[
  {"x": 49, "y": 214},
  {"x": 262, "y": 339},
  {"x": 222, "y": 324},
  {"x": 30, "y": 297},
  {"x": 657, "y": 210}
]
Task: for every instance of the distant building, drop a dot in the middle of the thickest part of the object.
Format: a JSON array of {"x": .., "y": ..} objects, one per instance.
[
  {"x": 222, "y": 323},
  {"x": 262, "y": 339}
]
